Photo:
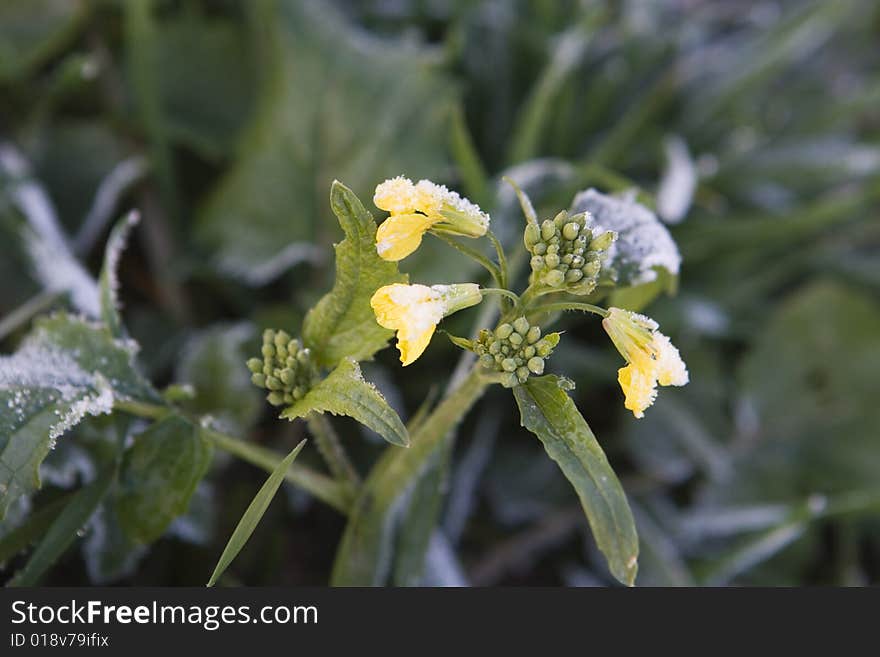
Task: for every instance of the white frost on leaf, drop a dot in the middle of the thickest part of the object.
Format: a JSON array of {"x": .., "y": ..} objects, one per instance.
[
  {"x": 643, "y": 243},
  {"x": 54, "y": 264},
  {"x": 679, "y": 182}
]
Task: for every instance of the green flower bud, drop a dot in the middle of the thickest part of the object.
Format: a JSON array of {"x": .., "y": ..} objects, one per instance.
[
  {"x": 515, "y": 339},
  {"x": 281, "y": 339},
  {"x": 508, "y": 365},
  {"x": 548, "y": 230},
  {"x": 536, "y": 365},
  {"x": 534, "y": 334},
  {"x": 573, "y": 275},
  {"x": 560, "y": 219},
  {"x": 570, "y": 231},
  {"x": 273, "y": 383},
  {"x": 521, "y": 325},
  {"x": 522, "y": 373},
  {"x": 536, "y": 263},
  {"x": 603, "y": 241},
  {"x": 503, "y": 332},
  {"x": 543, "y": 348},
  {"x": 540, "y": 248},
  {"x": 487, "y": 361},
  {"x": 276, "y": 398},
  {"x": 255, "y": 365},
  {"x": 554, "y": 278},
  {"x": 531, "y": 235},
  {"x": 509, "y": 380},
  {"x": 258, "y": 379},
  {"x": 551, "y": 261},
  {"x": 529, "y": 352},
  {"x": 268, "y": 351}
]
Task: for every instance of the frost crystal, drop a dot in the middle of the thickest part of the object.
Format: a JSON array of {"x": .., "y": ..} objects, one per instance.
[{"x": 643, "y": 243}]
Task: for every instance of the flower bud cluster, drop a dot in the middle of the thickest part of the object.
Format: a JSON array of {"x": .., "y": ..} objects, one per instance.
[
  {"x": 286, "y": 369},
  {"x": 566, "y": 255},
  {"x": 515, "y": 350}
]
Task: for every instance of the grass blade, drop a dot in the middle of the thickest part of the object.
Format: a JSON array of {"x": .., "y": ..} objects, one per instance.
[{"x": 253, "y": 514}]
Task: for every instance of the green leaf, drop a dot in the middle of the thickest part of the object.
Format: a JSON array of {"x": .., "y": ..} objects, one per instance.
[
  {"x": 159, "y": 475},
  {"x": 417, "y": 525},
  {"x": 343, "y": 324},
  {"x": 205, "y": 79},
  {"x": 643, "y": 246},
  {"x": 66, "y": 369},
  {"x": 108, "y": 282},
  {"x": 253, "y": 514},
  {"x": 64, "y": 528},
  {"x": 31, "y": 31},
  {"x": 212, "y": 365},
  {"x": 367, "y": 554},
  {"x": 345, "y": 392},
  {"x": 548, "y": 412},
  {"x": 337, "y": 103},
  {"x": 638, "y": 297},
  {"x": 35, "y": 526},
  {"x": 810, "y": 381}
]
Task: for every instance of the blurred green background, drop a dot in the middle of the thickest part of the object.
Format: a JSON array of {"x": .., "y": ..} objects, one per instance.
[{"x": 752, "y": 127}]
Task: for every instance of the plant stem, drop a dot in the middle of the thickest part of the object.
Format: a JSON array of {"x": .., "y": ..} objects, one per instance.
[
  {"x": 321, "y": 486},
  {"x": 569, "y": 305},
  {"x": 334, "y": 454}
]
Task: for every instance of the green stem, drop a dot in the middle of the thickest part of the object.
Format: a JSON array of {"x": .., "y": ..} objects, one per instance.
[
  {"x": 502, "y": 259},
  {"x": 569, "y": 305},
  {"x": 475, "y": 255},
  {"x": 503, "y": 292},
  {"x": 333, "y": 452},
  {"x": 319, "y": 485}
]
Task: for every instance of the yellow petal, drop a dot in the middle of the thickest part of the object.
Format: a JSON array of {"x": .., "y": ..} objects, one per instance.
[
  {"x": 413, "y": 311},
  {"x": 639, "y": 388},
  {"x": 397, "y": 195},
  {"x": 400, "y": 235},
  {"x": 412, "y": 344}
]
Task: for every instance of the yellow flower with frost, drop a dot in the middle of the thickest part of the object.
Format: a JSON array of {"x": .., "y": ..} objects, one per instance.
[
  {"x": 651, "y": 358},
  {"x": 417, "y": 207},
  {"x": 415, "y": 310}
]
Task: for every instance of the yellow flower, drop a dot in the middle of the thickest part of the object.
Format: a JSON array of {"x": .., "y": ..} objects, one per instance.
[
  {"x": 651, "y": 358},
  {"x": 415, "y": 209},
  {"x": 415, "y": 310}
]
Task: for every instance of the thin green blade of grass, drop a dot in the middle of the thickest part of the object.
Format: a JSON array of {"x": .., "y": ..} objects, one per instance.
[{"x": 253, "y": 514}]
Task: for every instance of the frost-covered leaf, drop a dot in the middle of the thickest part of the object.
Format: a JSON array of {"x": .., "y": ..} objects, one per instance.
[
  {"x": 343, "y": 324},
  {"x": 337, "y": 103},
  {"x": 679, "y": 182},
  {"x": 643, "y": 244},
  {"x": 159, "y": 475},
  {"x": 65, "y": 370},
  {"x": 108, "y": 552},
  {"x": 108, "y": 279},
  {"x": 212, "y": 365},
  {"x": 345, "y": 392},
  {"x": 46, "y": 245},
  {"x": 548, "y": 412},
  {"x": 810, "y": 386}
]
